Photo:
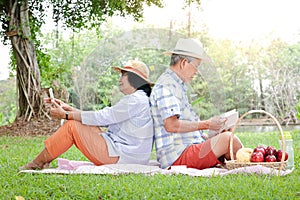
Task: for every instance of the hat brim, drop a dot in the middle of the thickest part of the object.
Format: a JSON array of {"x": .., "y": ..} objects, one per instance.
[
  {"x": 202, "y": 58},
  {"x": 118, "y": 69}
]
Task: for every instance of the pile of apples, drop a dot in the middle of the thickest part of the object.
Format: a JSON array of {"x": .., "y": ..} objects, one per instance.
[{"x": 267, "y": 154}]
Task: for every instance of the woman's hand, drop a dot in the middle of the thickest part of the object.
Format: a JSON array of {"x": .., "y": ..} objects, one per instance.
[
  {"x": 62, "y": 104},
  {"x": 48, "y": 103},
  {"x": 66, "y": 106},
  {"x": 57, "y": 111}
]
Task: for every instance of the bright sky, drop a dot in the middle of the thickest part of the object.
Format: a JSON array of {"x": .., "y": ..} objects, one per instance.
[
  {"x": 237, "y": 19},
  {"x": 244, "y": 19},
  {"x": 232, "y": 19}
]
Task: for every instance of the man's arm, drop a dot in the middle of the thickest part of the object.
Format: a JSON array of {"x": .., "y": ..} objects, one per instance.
[{"x": 175, "y": 125}]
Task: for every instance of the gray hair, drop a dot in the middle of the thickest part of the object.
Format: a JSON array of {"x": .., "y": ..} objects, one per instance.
[{"x": 175, "y": 58}]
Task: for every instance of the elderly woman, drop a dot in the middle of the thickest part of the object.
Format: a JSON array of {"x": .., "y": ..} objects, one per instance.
[{"x": 129, "y": 134}]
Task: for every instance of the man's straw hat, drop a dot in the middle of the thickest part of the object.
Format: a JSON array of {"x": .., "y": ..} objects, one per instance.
[{"x": 189, "y": 47}]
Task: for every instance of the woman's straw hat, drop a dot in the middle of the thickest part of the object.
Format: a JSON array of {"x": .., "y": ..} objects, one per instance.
[{"x": 137, "y": 67}]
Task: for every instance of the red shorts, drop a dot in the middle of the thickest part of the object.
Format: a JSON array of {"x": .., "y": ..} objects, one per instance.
[{"x": 199, "y": 156}]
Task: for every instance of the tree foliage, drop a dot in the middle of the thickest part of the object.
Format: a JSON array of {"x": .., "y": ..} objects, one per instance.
[
  {"x": 21, "y": 22},
  {"x": 92, "y": 84},
  {"x": 241, "y": 76},
  {"x": 232, "y": 80}
]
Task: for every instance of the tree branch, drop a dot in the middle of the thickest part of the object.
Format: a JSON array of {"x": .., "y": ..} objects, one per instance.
[
  {"x": 25, "y": 19},
  {"x": 12, "y": 14}
]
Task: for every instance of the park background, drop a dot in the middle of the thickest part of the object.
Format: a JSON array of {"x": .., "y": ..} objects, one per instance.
[{"x": 254, "y": 47}]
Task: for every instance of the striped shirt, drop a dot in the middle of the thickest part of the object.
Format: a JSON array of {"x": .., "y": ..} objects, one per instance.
[{"x": 169, "y": 98}]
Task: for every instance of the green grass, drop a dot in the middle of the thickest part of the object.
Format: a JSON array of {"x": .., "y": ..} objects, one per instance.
[{"x": 16, "y": 151}]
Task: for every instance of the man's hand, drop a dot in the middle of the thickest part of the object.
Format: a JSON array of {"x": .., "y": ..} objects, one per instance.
[
  {"x": 217, "y": 123},
  {"x": 204, "y": 136}
]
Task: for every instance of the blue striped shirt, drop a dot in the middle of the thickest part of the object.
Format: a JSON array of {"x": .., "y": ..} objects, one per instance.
[{"x": 169, "y": 98}]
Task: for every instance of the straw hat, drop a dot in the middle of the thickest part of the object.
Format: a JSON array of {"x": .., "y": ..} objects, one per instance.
[
  {"x": 137, "y": 67},
  {"x": 189, "y": 47}
]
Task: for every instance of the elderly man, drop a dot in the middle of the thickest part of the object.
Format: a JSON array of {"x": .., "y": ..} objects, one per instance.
[{"x": 177, "y": 128}]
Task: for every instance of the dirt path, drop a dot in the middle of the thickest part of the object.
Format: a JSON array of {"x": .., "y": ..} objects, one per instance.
[{"x": 32, "y": 128}]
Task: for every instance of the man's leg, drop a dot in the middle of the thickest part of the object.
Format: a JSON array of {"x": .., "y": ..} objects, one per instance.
[{"x": 220, "y": 145}]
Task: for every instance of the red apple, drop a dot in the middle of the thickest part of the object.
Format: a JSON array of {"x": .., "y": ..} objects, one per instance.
[
  {"x": 271, "y": 158},
  {"x": 260, "y": 149},
  {"x": 271, "y": 151},
  {"x": 279, "y": 155},
  {"x": 257, "y": 157}
]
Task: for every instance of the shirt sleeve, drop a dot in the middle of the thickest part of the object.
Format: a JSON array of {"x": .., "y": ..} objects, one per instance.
[
  {"x": 167, "y": 103},
  {"x": 121, "y": 111}
]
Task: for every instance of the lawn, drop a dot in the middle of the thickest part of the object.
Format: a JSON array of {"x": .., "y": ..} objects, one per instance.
[{"x": 16, "y": 151}]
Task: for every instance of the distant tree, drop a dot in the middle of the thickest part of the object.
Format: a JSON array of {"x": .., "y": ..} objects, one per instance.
[
  {"x": 7, "y": 101},
  {"x": 233, "y": 68},
  {"x": 283, "y": 90},
  {"x": 298, "y": 110}
]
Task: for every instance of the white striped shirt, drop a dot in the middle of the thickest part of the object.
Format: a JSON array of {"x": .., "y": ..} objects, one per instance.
[{"x": 130, "y": 127}]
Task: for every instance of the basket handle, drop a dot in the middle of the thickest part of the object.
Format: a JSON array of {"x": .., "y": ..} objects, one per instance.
[{"x": 272, "y": 117}]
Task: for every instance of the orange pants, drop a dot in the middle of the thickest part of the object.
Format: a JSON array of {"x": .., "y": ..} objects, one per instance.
[{"x": 87, "y": 139}]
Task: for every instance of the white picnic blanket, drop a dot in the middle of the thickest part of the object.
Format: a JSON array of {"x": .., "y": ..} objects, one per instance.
[{"x": 83, "y": 167}]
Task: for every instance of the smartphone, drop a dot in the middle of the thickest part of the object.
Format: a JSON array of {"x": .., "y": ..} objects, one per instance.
[{"x": 51, "y": 94}]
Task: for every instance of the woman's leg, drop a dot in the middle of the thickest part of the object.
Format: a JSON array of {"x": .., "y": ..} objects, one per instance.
[
  {"x": 220, "y": 145},
  {"x": 42, "y": 161},
  {"x": 86, "y": 138}
]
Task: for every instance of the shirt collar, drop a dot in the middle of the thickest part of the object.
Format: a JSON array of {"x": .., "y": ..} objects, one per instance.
[{"x": 176, "y": 78}]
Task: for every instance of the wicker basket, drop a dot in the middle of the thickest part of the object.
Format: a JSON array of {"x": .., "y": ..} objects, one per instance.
[{"x": 232, "y": 164}]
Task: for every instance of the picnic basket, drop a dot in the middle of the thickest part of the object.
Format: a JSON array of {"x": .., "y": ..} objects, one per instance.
[{"x": 232, "y": 164}]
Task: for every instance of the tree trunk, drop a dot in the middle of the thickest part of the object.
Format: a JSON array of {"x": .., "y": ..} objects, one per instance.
[
  {"x": 262, "y": 97},
  {"x": 30, "y": 103}
]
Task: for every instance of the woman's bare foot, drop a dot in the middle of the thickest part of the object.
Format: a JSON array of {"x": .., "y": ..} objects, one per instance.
[{"x": 34, "y": 166}]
